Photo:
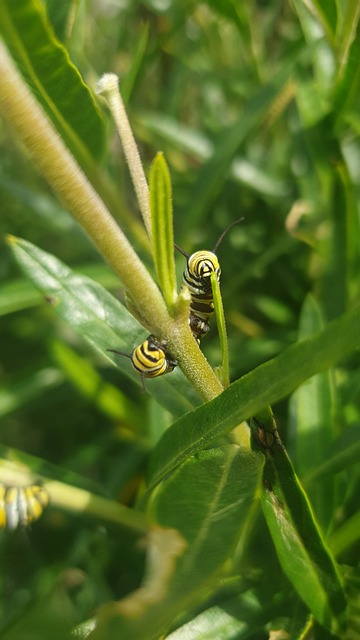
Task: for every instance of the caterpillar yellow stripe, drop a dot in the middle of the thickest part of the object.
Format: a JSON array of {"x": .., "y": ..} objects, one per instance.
[
  {"x": 21, "y": 506},
  {"x": 151, "y": 358},
  {"x": 197, "y": 278},
  {"x": 199, "y": 267}
]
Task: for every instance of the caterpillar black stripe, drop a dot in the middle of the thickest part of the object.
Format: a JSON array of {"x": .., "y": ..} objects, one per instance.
[
  {"x": 197, "y": 278},
  {"x": 21, "y": 506},
  {"x": 151, "y": 358}
]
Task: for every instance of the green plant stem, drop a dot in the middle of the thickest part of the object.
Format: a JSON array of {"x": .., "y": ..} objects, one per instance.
[
  {"x": 64, "y": 175},
  {"x": 108, "y": 86},
  {"x": 70, "y": 498},
  {"x": 30, "y": 123}
]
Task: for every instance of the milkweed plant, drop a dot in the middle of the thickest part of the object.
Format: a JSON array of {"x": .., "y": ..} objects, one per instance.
[{"x": 222, "y": 461}]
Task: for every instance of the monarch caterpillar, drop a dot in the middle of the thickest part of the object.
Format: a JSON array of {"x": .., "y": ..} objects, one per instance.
[
  {"x": 197, "y": 278},
  {"x": 20, "y": 506},
  {"x": 150, "y": 358}
]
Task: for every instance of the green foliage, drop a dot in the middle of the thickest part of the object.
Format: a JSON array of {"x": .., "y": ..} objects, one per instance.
[
  {"x": 45, "y": 65},
  {"x": 168, "y": 518}
]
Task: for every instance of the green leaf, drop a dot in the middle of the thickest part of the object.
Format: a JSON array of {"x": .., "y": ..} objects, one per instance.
[
  {"x": 55, "y": 81},
  {"x": 299, "y": 545},
  {"x": 312, "y": 104},
  {"x": 214, "y": 171},
  {"x": 137, "y": 59},
  {"x": 213, "y": 492},
  {"x": 342, "y": 454},
  {"x": 348, "y": 76},
  {"x": 22, "y": 294},
  {"x": 105, "y": 396},
  {"x": 60, "y": 14},
  {"x": 192, "y": 141},
  {"x": 327, "y": 10},
  {"x": 312, "y": 412},
  {"x": 243, "y": 617},
  {"x": 99, "y": 318},
  {"x": 162, "y": 228},
  {"x": 208, "y": 501},
  {"x": 314, "y": 27},
  {"x": 346, "y": 536},
  {"x": 220, "y": 622},
  {"x": 264, "y": 385}
]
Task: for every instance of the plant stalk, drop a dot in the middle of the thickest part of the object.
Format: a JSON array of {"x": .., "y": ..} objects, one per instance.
[
  {"x": 33, "y": 127},
  {"x": 108, "y": 86}
]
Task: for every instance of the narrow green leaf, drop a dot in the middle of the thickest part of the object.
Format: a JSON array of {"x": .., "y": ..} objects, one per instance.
[
  {"x": 313, "y": 429},
  {"x": 214, "y": 171},
  {"x": 346, "y": 536},
  {"x": 348, "y": 76},
  {"x": 263, "y": 386},
  {"x": 327, "y": 11},
  {"x": 221, "y": 326},
  {"x": 207, "y": 500},
  {"x": 299, "y": 545},
  {"x": 192, "y": 141},
  {"x": 58, "y": 86},
  {"x": 137, "y": 58},
  {"x": 343, "y": 453},
  {"x": 314, "y": 28},
  {"x": 100, "y": 319},
  {"x": 105, "y": 396},
  {"x": 162, "y": 228}
]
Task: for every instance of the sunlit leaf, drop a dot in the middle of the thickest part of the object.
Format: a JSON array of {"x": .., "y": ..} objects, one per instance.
[
  {"x": 99, "y": 318},
  {"x": 51, "y": 75},
  {"x": 207, "y": 500},
  {"x": 265, "y": 385},
  {"x": 299, "y": 544}
]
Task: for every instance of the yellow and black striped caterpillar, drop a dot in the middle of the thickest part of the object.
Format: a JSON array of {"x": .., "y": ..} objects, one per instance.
[
  {"x": 21, "y": 506},
  {"x": 197, "y": 278},
  {"x": 150, "y": 358}
]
